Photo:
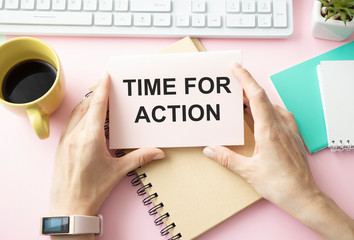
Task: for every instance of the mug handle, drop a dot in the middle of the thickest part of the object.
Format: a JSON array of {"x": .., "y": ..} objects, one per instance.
[{"x": 39, "y": 121}]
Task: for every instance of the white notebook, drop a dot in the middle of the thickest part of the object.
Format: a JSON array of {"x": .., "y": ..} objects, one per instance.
[{"x": 336, "y": 80}]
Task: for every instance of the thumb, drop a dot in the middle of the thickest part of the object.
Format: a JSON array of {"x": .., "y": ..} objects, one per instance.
[
  {"x": 226, "y": 158},
  {"x": 138, "y": 158}
]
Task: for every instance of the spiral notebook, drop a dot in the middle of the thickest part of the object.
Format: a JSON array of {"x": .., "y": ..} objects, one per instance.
[
  {"x": 188, "y": 192},
  {"x": 299, "y": 89},
  {"x": 336, "y": 80}
]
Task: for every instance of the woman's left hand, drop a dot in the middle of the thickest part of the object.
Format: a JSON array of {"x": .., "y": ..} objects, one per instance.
[{"x": 84, "y": 171}]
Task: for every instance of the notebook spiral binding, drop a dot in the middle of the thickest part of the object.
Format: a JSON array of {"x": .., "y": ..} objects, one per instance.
[
  {"x": 142, "y": 190},
  {"x": 154, "y": 210},
  {"x": 341, "y": 145}
]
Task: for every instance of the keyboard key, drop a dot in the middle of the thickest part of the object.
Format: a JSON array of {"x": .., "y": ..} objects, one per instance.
[
  {"x": 58, "y": 5},
  {"x": 150, "y": 6},
  {"x": 232, "y": 6},
  {"x": 43, "y": 4},
  {"x": 27, "y": 4},
  {"x": 182, "y": 20},
  {"x": 121, "y": 5},
  {"x": 280, "y": 14},
  {"x": 240, "y": 20},
  {"x": 214, "y": 21},
  {"x": 198, "y": 20},
  {"x": 248, "y": 6},
  {"x": 122, "y": 19},
  {"x": 142, "y": 20},
  {"x": 46, "y": 18},
  {"x": 105, "y": 5},
  {"x": 264, "y": 6},
  {"x": 74, "y": 5},
  {"x": 264, "y": 20},
  {"x": 11, "y": 4},
  {"x": 90, "y": 5},
  {"x": 162, "y": 20},
  {"x": 1, "y": 4},
  {"x": 198, "y": 6},
  {"x": 103, "y": 19}
]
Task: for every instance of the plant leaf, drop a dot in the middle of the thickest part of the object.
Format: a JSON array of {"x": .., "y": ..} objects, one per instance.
[
  {"x": 345, "y": 9},
  {"x": 349, "y": 3},
  {"x": 352, "y": 12},
  {"x": 349, "y": 12},
  {"x": 329, "y": 15},
  {"x": 323, "y": 2},
  {"x": 343, "y": 16}
]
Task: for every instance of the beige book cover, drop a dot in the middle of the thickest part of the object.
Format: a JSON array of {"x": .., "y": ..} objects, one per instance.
[{"x": 190, "y": 192}]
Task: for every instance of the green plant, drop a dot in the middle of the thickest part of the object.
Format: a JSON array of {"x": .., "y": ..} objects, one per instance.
[{"x": 338, "y": 9}]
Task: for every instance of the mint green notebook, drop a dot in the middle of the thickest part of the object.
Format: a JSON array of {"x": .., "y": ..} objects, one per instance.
[{"x": 299, "y": 89}]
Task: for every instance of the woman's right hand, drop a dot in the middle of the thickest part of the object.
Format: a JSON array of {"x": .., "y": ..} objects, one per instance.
[{"x": 278, "y": 169}]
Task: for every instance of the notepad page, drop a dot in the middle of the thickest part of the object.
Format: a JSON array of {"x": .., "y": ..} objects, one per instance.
[{"x": 336, "y": 80}]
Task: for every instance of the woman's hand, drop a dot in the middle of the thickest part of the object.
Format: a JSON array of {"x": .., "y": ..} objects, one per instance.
[
  {"x": 84, "y": 171},
  {"x": 278, "y": 169}
]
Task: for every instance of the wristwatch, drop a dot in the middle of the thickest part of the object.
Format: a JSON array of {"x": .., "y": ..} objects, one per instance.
[{"x": 71, "y": 225}]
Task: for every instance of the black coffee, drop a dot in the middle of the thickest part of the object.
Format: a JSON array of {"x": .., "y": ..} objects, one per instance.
[{"x": 28, "y": 81}]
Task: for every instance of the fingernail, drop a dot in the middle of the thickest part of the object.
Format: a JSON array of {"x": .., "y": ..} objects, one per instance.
[
  {"x": 237, "y": 65},
  {"x": 93, "y": 88},
  {"x": 209, "y": 152},
  {"x": 103, "y": 75},
  {"x": 158, "y": 156}
]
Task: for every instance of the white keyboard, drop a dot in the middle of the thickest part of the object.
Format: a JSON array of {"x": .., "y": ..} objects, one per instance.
[{"x": 148, "y": 18}]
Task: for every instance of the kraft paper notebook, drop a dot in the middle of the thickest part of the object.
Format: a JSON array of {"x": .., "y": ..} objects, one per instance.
[
  {"x": 299, "y": 89},
  {"x": 190, "y": 192},
  {"x": 336, "y": 81}
]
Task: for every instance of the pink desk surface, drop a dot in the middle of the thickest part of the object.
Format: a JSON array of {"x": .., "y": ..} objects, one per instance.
[{"x": 26, "y": 162}]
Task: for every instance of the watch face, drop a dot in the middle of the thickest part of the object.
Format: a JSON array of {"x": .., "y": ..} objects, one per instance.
[{"x": 52, "y": 225}]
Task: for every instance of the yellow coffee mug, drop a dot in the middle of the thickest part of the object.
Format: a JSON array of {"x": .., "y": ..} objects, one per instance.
[{"x": 18, "y": 50}]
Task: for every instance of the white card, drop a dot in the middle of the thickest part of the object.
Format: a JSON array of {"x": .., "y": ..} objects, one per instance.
[{"x": 175, "y": 100}]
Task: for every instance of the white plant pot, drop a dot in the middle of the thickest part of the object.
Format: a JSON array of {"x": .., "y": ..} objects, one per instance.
[{"x": 330, "y": 29}]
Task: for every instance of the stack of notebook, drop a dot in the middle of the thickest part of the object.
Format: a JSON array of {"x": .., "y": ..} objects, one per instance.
[
  {"x": 336, "y": 80},
  {"x": 321, "y": 98}
]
